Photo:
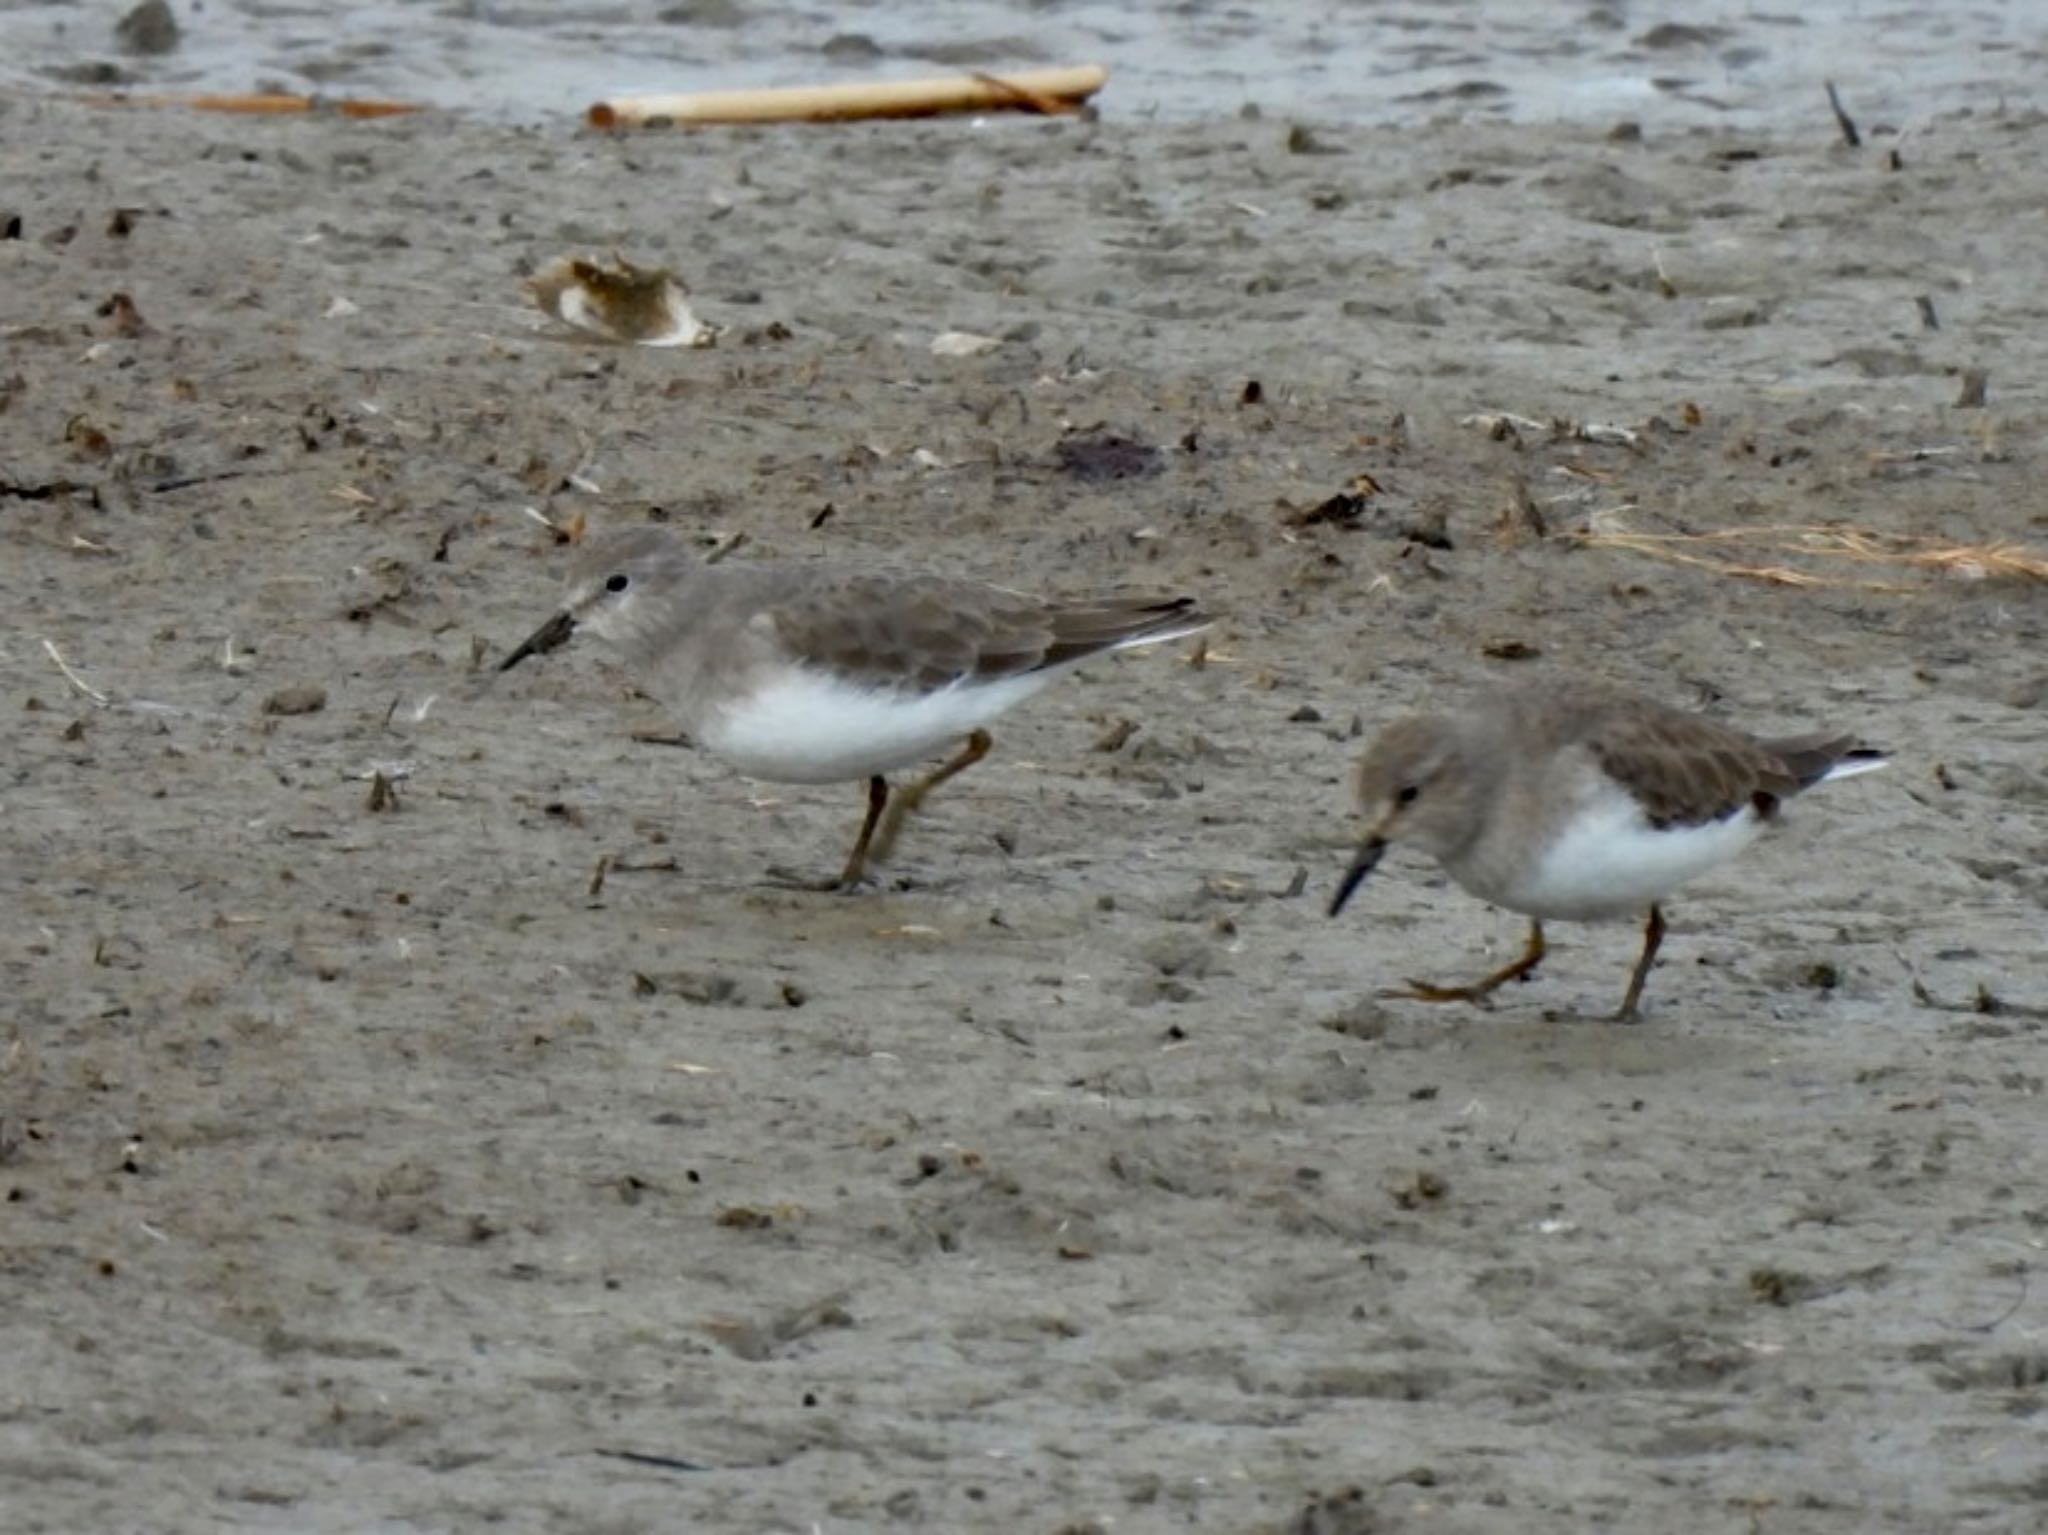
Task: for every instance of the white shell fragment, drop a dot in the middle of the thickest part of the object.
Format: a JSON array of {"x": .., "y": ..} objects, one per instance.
[
  {"x": 963, "y": 343},
  {"x": 637, "y": 306}
]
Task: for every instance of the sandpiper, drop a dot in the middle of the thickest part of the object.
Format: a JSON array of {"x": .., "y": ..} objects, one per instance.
[
  {"x": 814, "y": 673},
  {"x": 1570, "y": 800}
]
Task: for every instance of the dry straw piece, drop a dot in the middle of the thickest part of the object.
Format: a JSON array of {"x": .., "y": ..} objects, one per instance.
[
  {"x": 1805, "y": 552},
  {"x": 262, "y": 104}
]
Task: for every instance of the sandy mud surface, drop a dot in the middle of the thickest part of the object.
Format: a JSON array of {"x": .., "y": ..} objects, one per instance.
[{"x": 363, "y": 1169}]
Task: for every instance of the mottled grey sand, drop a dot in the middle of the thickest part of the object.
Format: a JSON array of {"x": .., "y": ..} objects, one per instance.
[{"x": 364, "y": 1170}]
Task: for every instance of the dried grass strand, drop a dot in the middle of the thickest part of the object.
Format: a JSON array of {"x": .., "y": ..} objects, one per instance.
[{"x": 2000, "y": 559}]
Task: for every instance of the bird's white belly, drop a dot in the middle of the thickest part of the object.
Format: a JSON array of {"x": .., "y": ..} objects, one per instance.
[
  {"x": 811, "y": 727},
  {"x": 1610, "y": 862}
]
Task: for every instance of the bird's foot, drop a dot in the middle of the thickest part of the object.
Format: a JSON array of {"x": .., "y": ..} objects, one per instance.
[
  {"x": 1424, "y": 991},
  {"x": 851, "y": 882}
]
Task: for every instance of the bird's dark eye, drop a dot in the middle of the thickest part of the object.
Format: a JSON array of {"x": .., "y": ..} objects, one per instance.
[
  {"x": 1408, "y": 794},
  {"x": 617, "y": 583}
]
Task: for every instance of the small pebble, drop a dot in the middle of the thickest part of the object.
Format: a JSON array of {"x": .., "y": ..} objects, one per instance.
[
  {"x": 300, "y": 698},
  {"x": 148, "y": 28}
]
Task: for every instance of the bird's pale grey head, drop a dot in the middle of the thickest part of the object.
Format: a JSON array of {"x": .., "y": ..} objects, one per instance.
[
  {"x": 1419, "y": 783},
  {"x": 619, "y": 578}
]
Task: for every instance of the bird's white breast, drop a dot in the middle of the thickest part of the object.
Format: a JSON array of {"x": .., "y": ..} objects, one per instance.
[
  {"x": 1607, "y": 860},
  {"x": 806, "y": 726}
]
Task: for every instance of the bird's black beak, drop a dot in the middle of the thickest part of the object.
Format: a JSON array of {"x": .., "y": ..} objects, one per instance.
[
  {"x": 1368, "y": 859},
  {"x": 554, "y": 632}
]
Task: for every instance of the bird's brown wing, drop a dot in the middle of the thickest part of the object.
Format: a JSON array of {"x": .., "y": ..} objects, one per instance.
[
  {"x": 1686, "y": 770},
  {"x": 927, "y": 632}
]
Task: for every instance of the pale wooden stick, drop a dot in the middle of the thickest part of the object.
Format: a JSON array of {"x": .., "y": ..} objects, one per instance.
[{"x": 1030, "y": 89}]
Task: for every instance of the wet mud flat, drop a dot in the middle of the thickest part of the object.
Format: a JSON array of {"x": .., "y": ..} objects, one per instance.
[{"x": 365, "y": 1168}]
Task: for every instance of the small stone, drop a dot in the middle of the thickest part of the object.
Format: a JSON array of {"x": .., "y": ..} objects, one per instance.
[
  {"x": 300, "y": 698},
  {"x": 1430, "y": 527},
  {"x": 856, "y": 47},
  {"x": 149, "y": 28},
  {"x": 704, "y": 13},
  {"x": 1101, "y": 455}
]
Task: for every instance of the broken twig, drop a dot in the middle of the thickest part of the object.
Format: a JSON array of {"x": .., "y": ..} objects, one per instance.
[{"x": 1842, "y": 119}]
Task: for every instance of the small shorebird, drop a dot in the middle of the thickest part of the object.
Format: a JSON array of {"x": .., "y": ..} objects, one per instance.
[
  {"x": 1569, "y": 800},
  {"x": 820, "y": 674}
]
